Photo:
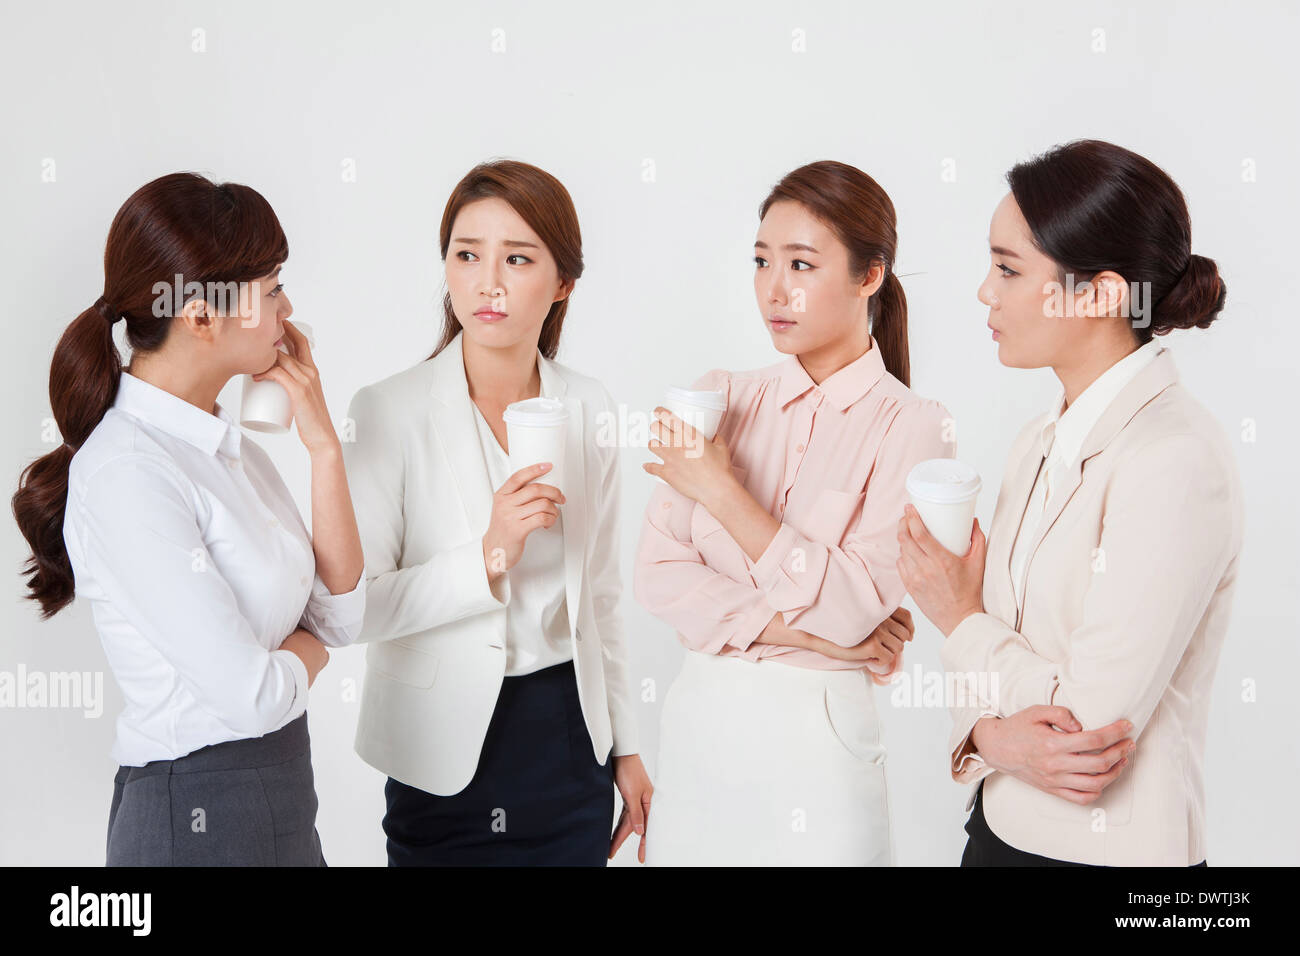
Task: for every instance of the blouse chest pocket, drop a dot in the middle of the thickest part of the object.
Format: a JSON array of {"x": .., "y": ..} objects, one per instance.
[{"x": 830, "y": 517}]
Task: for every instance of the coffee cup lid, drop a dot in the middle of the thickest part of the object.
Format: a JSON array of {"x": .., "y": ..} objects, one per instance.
[
  {"x": 715, "y": 400},
  {"x": 943, "y": 480},
  {"x": 537, "y": 412}
]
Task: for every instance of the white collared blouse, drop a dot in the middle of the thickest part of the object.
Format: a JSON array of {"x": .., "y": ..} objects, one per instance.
[{"x": 197, "y": 565}]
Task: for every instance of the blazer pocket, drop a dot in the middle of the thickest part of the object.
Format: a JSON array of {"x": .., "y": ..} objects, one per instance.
[
  {"x": 402, "y": 663},
  {"x": 830, "y": 516}
]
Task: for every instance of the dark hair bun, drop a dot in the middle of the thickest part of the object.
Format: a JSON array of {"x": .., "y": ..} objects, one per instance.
[{"x": 1195, "y": 300}]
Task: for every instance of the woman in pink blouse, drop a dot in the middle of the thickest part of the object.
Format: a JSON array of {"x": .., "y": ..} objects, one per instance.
[{"x": 772, "y": 550}]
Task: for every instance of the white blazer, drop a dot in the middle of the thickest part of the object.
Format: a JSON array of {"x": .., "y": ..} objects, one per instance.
[{"x": 436, "y": 631}]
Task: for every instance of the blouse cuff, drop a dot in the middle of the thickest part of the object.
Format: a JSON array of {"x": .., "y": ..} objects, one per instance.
[
  {"x": 764, "y": 571},
  {"x": 343, "y": 610},
  {"x": 750, "y": 626},
  {"x": 301, "y": 683}
]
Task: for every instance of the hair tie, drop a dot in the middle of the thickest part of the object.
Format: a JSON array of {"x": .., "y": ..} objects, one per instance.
[{"x": 106, "y": 310}]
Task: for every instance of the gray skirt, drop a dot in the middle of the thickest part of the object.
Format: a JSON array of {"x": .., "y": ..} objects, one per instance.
[{"x": 241, "y": 803}]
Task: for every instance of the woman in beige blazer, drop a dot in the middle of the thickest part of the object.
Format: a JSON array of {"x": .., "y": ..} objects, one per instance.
[{"x": 1092, "y": 617}]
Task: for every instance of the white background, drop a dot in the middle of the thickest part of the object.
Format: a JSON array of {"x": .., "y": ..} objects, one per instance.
[{"x": 717, "y": 100}]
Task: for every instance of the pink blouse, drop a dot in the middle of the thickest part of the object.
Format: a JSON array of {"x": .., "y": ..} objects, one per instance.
[{"x": 830, "y": 462}]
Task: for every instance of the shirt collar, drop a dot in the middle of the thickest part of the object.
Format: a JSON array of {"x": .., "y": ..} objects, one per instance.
[
  {"x": 843, "y": 388},
  {"x": 175, "y": 416},
  {"x": 1063, "y": 434}
]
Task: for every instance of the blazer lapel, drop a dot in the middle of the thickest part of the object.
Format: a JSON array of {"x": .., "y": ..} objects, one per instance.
[
  {"x": 1017, "y": 502},
  {"x": 458, "y": 435},
  {"x": 573, "y": 513},
  {"x": 1144, "y": 387}
]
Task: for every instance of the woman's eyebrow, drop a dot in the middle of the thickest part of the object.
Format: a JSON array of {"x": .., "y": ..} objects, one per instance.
[
  {"x": 519, "y": 243},
  {"x": 1003, "y": 252},
  {"x": 788, "y": 247}
]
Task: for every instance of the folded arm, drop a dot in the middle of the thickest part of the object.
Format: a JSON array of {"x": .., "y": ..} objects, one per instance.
[
  {"x": 841, "y": 592},
  {"x": 1165, "y": 545}
]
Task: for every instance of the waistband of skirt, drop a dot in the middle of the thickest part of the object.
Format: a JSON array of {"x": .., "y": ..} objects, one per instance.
[
  {"x": 731, "y": 667},
  {"x": 288, "y": 742}
]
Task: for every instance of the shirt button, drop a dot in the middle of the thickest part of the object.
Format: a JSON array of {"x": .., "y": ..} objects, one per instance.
[
  {"x": 799, "y": 447},
  {"x": 667, "y": 505},
  {"x": 302, "y": 580}
]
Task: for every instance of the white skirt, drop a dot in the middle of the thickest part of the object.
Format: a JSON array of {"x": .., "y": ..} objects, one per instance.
[{"x": 766, "y": 764}]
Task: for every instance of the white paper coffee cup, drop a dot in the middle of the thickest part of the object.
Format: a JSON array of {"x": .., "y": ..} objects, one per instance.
[
  {"x": 265, "y": 406},
  {"x": 536, "y": 430},
  {"x": 701, "y": 409},
  {"x": 944, "y": 491}
]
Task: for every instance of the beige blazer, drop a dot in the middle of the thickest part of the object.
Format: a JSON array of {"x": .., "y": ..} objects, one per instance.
[
  {"x": 435, "y": 629},
  {"x": 1128, "y": 587}
]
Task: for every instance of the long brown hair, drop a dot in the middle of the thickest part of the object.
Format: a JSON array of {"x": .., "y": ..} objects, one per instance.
[
  {"x": 541, "y": 201},
  {"x": 861, "y": 215},
  {"x": 180, "y": 225}
]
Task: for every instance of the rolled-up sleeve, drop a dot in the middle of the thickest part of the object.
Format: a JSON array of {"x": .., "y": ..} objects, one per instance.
[
  {"x": 843, "y": 592},
  {"x": 336, "y": 619},
  {"x": 140, "y": 536}
]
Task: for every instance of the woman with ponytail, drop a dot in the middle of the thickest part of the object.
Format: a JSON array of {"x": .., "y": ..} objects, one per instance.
[
  {"x": 771, "y": 550},
  {"x": 214, "y": 605},
  {"x": 1114, "y": 548}
]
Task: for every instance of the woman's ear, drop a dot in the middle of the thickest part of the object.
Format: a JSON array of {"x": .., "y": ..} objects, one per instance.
[
  {"x": 873, "y": 280},
  {"x": 199, "y": 317},
  {"x": 1106, "y": 294},
  {"x": 565, "y": 290}
]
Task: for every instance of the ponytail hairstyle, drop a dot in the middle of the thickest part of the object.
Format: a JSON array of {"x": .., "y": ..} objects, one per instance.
[
  {"x": 861, "y": 215},
  {"x": 180, "y": 228},
  {"x": 541, "y": 201},
  {"x": 1093, "y": 206}
]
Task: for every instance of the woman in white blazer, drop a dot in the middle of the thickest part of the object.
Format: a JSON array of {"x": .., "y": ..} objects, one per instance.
[
  {"x": 1113, "y": 552},
  {"x": 497, "y": 697}
]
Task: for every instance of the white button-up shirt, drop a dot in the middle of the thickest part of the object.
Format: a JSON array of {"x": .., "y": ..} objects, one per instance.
[
  {"x": 197, "y": 565},
  {"x": 1062, "y": 437}
]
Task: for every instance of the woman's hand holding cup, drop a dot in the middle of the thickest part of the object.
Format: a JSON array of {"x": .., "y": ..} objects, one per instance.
[
  {"x": 519, "y": 507},
  {"x": 298, "y": 375}
]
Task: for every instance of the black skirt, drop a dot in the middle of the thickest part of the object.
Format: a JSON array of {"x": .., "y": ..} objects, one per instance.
[
  {"x": 240, "y": 803},
  {"x": 538, "y": 797}
]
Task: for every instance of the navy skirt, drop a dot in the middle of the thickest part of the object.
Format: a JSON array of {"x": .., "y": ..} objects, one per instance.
[
  {"x": 538, "y": 795},
  {"x": 241, "y": 803}
]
